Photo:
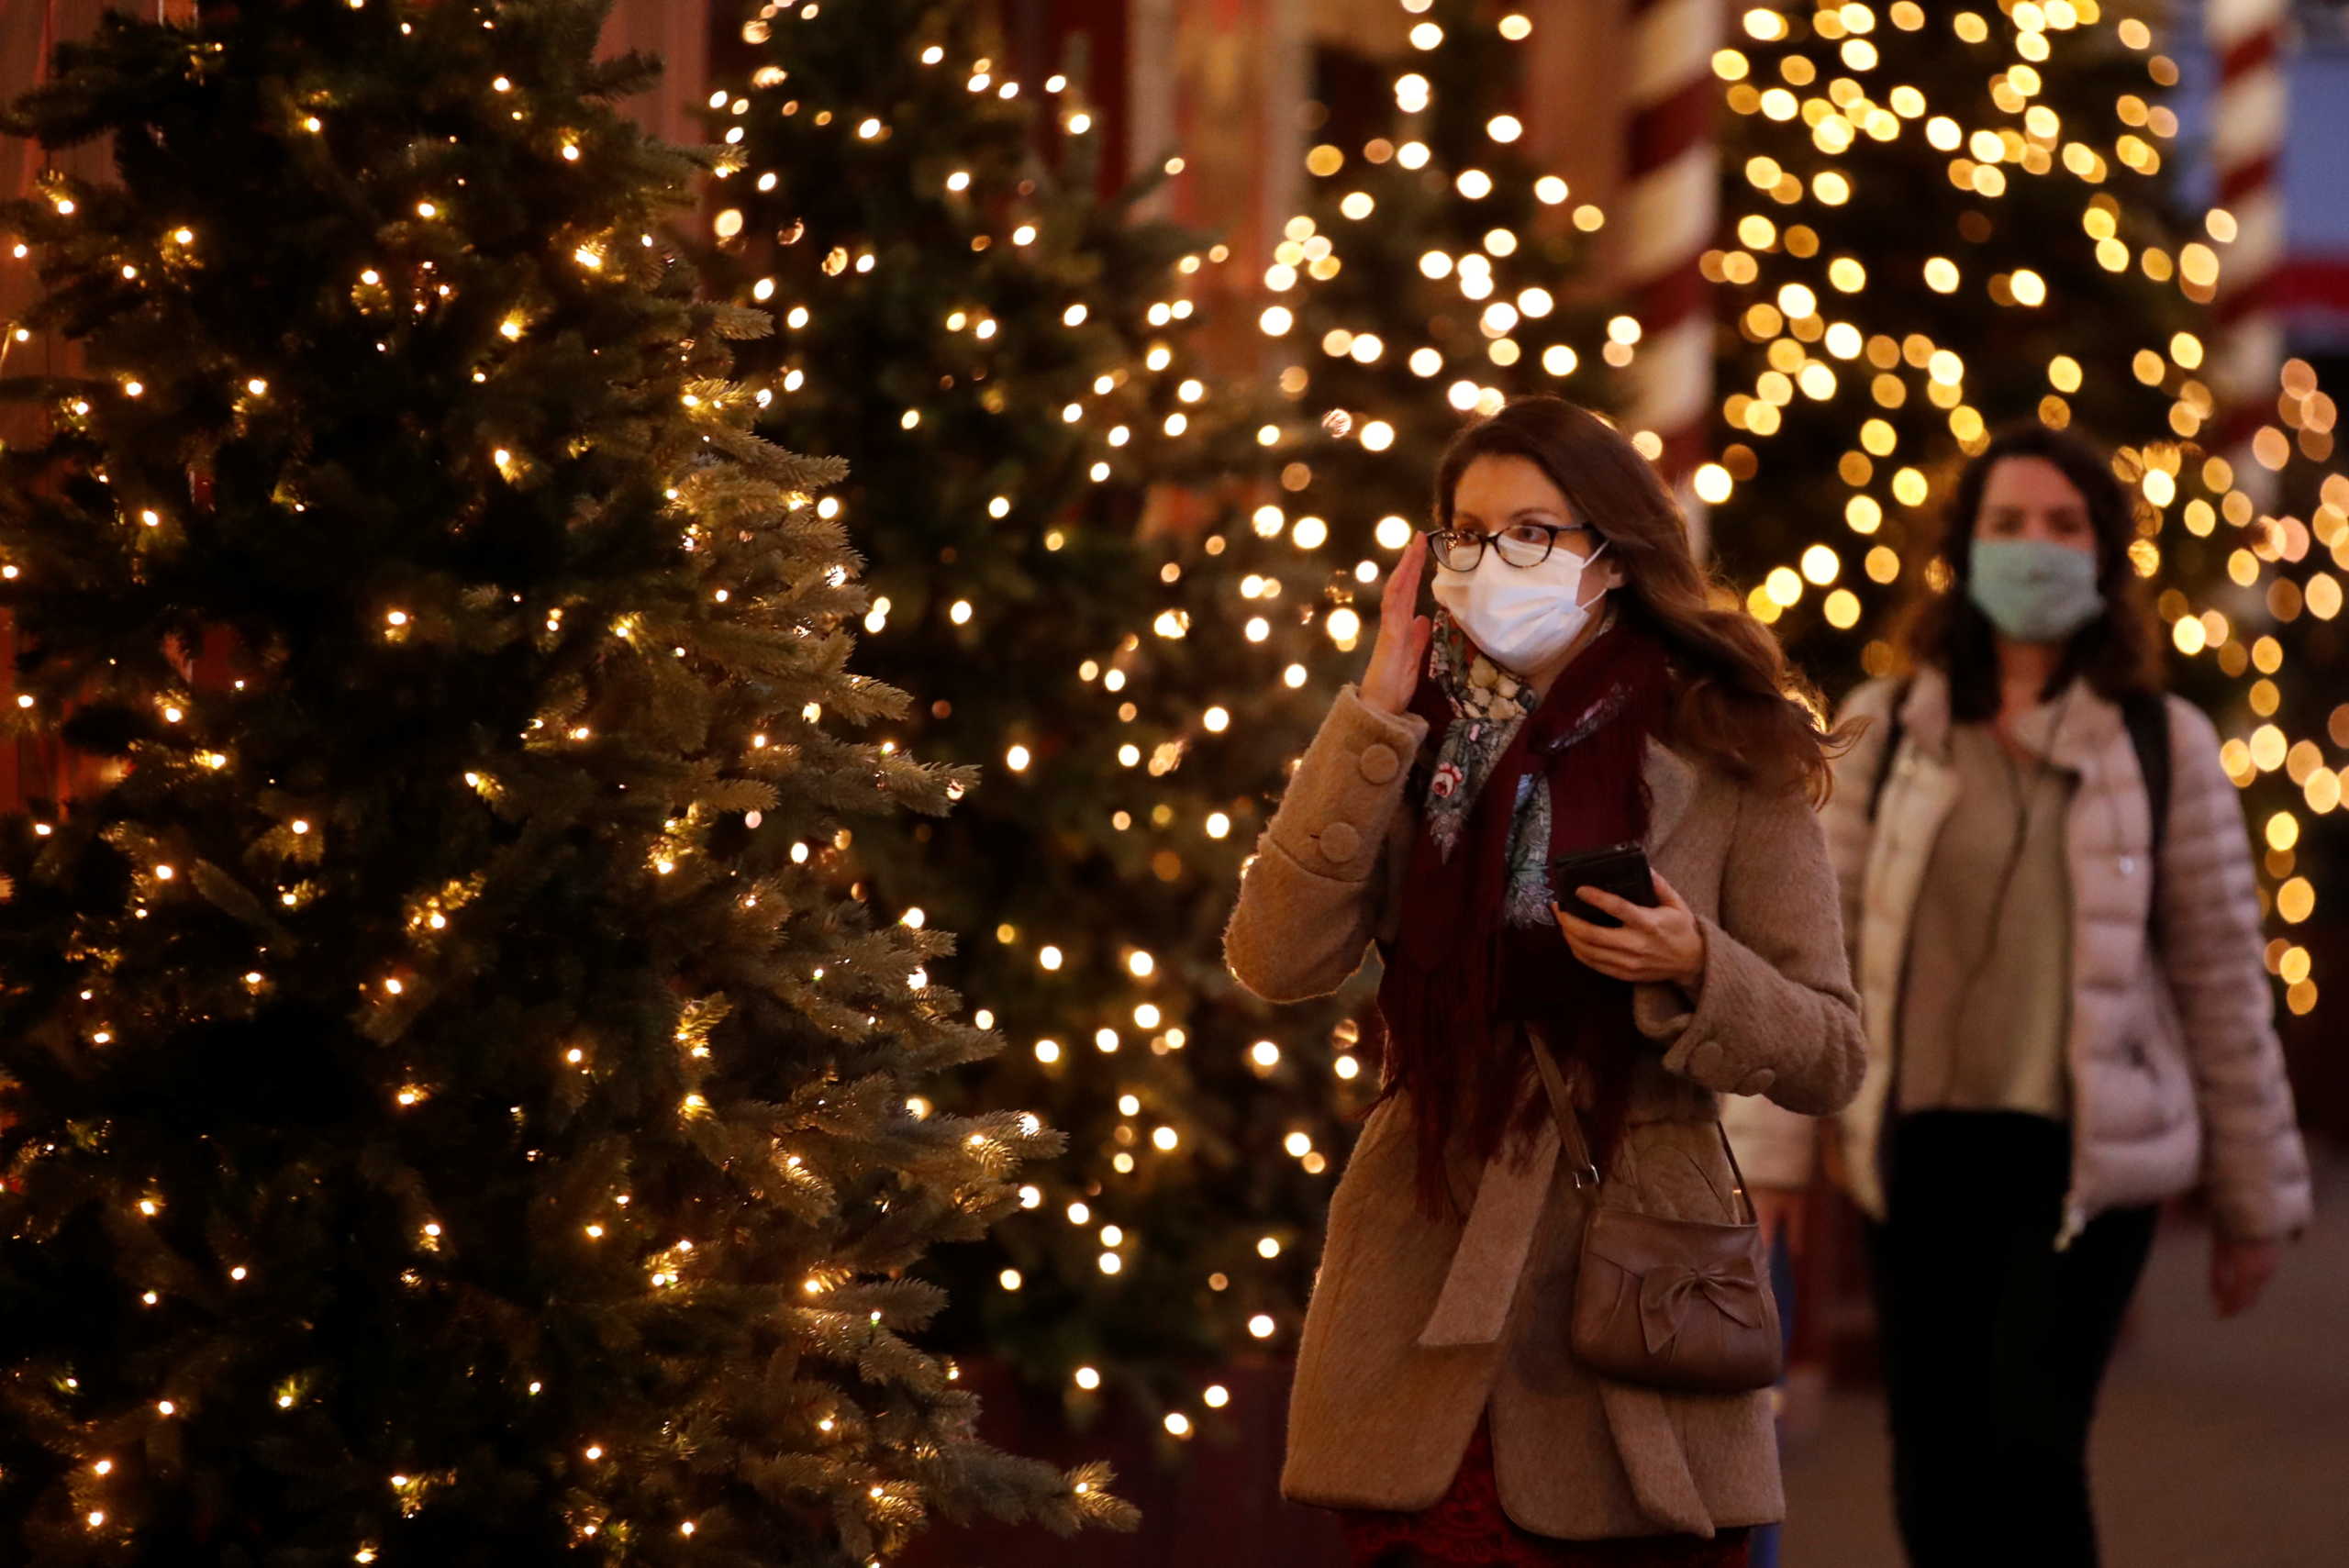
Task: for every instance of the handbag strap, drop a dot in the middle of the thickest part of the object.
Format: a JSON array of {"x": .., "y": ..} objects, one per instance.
[
  {"x": 1585, "y": 1170},
  {"x": 1562, "y": 1107}
]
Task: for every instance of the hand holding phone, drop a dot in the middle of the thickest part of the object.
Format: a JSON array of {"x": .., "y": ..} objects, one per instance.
[{"x": 1645, "y": 931}]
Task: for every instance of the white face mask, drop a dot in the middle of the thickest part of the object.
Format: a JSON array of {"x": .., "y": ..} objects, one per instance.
[{"x": 1523, "y": 616}]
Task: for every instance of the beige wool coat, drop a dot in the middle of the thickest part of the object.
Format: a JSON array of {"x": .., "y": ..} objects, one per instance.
[
  {"x": 1418, "y": 1327},
  {"x": 2176, "y": 1076}
]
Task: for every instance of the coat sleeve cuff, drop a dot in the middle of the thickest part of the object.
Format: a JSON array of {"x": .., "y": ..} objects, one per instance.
[
  {"x": 1698, "y": 1039},
  {"x": 1334, "y": 814}
]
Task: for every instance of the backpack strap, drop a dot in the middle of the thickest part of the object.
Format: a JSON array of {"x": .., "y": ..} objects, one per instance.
[
  {"x": 2146, "y": 714},
  {"x": 1892, "y": 746}
]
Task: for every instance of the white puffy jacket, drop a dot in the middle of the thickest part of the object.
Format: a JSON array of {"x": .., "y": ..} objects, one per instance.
[{"x": 2176, "y": 1076}]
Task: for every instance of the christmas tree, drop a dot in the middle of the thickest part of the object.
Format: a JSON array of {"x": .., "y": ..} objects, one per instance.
[
  {"x": 1945, "y": 221},
  {"x": 1436, "y": 271},
  {"x": 1941, "y": 223},
  {"x": 1054, "y": 496},
  {"x": 1112, "y": 580},
  {"x": 425, "y": 1139}
]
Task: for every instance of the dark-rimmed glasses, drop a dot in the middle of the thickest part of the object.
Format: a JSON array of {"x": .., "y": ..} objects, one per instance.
[{"x": 1519, "y": 544}]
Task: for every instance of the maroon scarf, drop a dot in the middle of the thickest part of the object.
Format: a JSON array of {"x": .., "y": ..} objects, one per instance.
[{"x": 1457, "y": 969}]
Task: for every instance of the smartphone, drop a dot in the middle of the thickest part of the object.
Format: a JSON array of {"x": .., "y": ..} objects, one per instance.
[{"x": 1620, "y": 869}]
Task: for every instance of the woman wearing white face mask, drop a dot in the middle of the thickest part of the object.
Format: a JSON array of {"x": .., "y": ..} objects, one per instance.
[
  {"x": 2049, "y": 889},
  {"x": 1579, "y": 689}
]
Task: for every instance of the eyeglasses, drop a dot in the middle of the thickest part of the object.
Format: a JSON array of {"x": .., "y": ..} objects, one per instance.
[{"x": 1519, "y": 544}]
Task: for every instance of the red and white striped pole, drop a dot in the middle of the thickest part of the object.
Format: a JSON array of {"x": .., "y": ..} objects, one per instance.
[
  {"x": 2247, "y": 140},
  {"x": 1670, "y": 207}
]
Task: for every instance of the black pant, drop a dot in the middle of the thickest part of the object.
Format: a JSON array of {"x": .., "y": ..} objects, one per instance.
[{"x": 1995, "y": 1343}]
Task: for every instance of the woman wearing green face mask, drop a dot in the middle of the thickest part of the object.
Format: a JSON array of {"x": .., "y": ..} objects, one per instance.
[{"x": 2049, "y": 891}]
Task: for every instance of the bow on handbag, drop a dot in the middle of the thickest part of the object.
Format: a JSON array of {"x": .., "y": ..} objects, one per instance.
[{"x": 1665, "y": 1294}]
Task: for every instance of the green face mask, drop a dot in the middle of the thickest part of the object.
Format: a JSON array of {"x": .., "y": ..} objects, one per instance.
[{"x": 2035, "y": 591}]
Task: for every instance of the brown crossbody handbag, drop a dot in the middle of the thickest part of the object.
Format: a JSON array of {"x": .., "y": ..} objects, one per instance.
[{"x": 1679, "y": 1304}]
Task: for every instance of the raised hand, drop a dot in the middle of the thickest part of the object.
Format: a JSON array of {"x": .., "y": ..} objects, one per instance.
[
  {"x": 2239, "y": 1271},
  {"x": 1393, "y": 674}
]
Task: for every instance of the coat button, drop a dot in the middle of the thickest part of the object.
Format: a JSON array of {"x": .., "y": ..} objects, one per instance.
[
  {"x": 1379, "y": 763},
  {"x": 1340, "y": 842}
]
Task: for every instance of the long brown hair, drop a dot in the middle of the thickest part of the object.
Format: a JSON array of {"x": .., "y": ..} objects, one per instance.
[
  {"x": 2119, "y": 653},
  {"x": 1739, "y": 704}
]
